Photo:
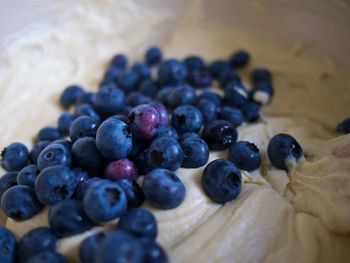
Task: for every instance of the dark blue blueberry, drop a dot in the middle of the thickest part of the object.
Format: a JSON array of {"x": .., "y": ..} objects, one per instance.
[
  {"x": 221, "y": 180},
  {"x": 104, "y": 201},
  {"x": 232, "y": 115},
  {"x": 163, "y": 189},
  {"x": 195, "y": 152},
  {"x": 68, "y": 218},
  {"x": 142, "y": 163},
  {"x": 87, "y": 110},
  {"x": 28, "y": 175},
  {"x": 212, "y": 96},
  {"x": 261, "y": 75},
  {"x": 36, "y": 241},
  {"x": 208, "y": 109},
  {"x": 84, "y": 186},
  {"x": 236, "y": 95},
  {"x": 109, "y": 100},
  {"x": 181, "y": 95},
  {"x": 89, "y": 246},
  {"x": 81, "y": 175},
  {"x": 119, "y": 61},
  {"x": 128, "y": 250},
  {"x": 142, "y": 70},
  {"x": 86, "y": 98},
  {"x": 36, "y": 150},
  {"x": 166, "y": 153},
  {"x": 154, "y": 253},
  {"x": 194, "y": 63},
  {"x": 163, "y": 113},
  {"x": 87, "y": 156},
  {"x": 227, "y": 77},
  {"x": 20, "y": 203},
  {"x": 240, "y": 59},
  {"x": 219, "y": 135},
  {"x": 136, "y": 98},
  {"x": 187, "y": 119},
  {"x": 245, "y": 155},
  {"x": 153, "y": 56},
  {"x": 149, "y": 88},
  {"x": 133, "y": 192},
  {"x": 188, "y": 135},
  {"x": 172, "y": 72},
  {"x": 251, "y": 111},
  {"x": 49, "y": 134},
  {"x": 139, "y": 222},
  {"x": 55, "y": 184},
  {"x": 112, "y": 74},
  {"x": 7, "y": 181},
  {"x": 47, "y": 256},
  {"x": 262, "y": 93},
  {"x": 128, "y": 81},
  {"x": 163, "y": 94},
  {"x": 113, "y": 139},
  {"x": 344, "y": 126},
  {"x": 83, "y": 126},
  {"x": 7, "y": 246},
  {"x": 66, "y": 143},
  {"x": 14, "y": 157},
  {"x": 54, "y": 154},
  {"x": 218, "y": 67},
  {"x": 284, "y": 151},
  {"x": 70, "y": 95},
  {"x": 200, "y": 79},
  {"x": 64, "y": 122},
  {"x": 167, "y": 131}
]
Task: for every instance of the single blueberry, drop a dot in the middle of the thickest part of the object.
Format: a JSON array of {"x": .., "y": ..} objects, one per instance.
[
  {"x": 221, "y": 180},
  {"x": 133, "y": 192},
  {"x": 153, "y": 56},
  {"x": 68, "y": 218},
  {"x": 236, "y": 95},
  {"x": 208, "y": 109},
  {"x": 194, "y": 63},
  {"x": 200, "y": 79},
  {"x": 109, "y": 100},
  {"x": 20, "y": 203},
  {"x": 86, "y": 98},
  {"x": 119, "y": 61},
  {"x": 114, "y": 139},
  {"x": 83, "y": 126},
  {"x": 36, "y": 150},
  {"x": 187, "y": 118},
  {"x": 240, "y": 59},
  {"x": 129, "y": 81},
  {"x": 84, "y": 186},
  {"x": 89, "y": 246},
  {"x": 165, "y": 152},
  {"x": 70, "y": 95},
  {"x": 87, "y": 110},
  {"x": 121, "y": 169},
  {"x": 219, "y": 135},
  {"x": 228, "y": 77},
  {"x": 261, "y": 75},
  {"x": 49, "y": 134},
  {"x": 7, "y": 181},
  {"x": 262, "y": 93},
  {"x": 142, "y": 70},
  {"x": 195, "y": 152},
  {"x": 344, "y": 126},
  {"x": 47, "y": 256},
  {"x": 181, "y": 95},
  {"x": 104, "y": 201},
  {"x": 167, "y": 131},
  {"x": 64, "y": 122},
  {"x": 14, "y": 157},
  {"x": 81, "y": 175},
  {"x": 54, "y": 154},
  {"x": 187, "y": 135},
  {"x": 27, "y": 175},
  {"x": 251, "y": 111},
  {"x": 245, "y": 155},
  {"x": 112, "y": 74},
  {"x": 8, "y": 246},
  {"x": 139, "y": 222},
  {"x": 163, "y": 94},
  {"x": 149, "y": 88},
  {"x": 232, "y": 115},
  {"x": 135, "y": 98},
  {"x": 172, "y": 72},
  {"x": 163, "y": 189},
  {"x": 163, "y": 113},
  {"x": 217, "y": 67},
  {"x": 212, "y": 96},
  {"x": 142, "y": 162},
  {"x": 154, "y": 253},
  {"x": 284, "y": 151}
]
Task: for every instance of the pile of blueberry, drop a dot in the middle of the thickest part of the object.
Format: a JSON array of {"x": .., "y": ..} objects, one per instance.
[{"x": 86, "y": 168}]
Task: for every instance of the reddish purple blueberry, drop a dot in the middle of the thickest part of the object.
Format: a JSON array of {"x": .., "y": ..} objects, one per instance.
[
  {"x": 163, "y": 113},
  {"x": 121, "y": 169}
]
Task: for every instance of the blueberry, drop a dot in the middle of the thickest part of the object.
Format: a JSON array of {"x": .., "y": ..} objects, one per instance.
[
  {"x": 232, "y": 115},
  {"x": 166, "y": 153},
  {"x": 121, "y": 169},
  {"x": 218, "y": 67},
  {"x": 195, "y": 152},
  {"x": 208, "y": 110},
  {"x": 139, "y": 222},
  {"x": 83, "y": 126},
  {"x": 47, "y": 256},
  {"x": 54, "y": 154},
  {"x": 112, "y": 74},
  {"x": 114, "y": 139},
  {"x": 187, "y": 118},
  {"x": 14, "y": 157},
  {"x": 245, "y": 155},
  {"x": 261, "y": 75},
  {"x": 149, "y": 88},
  {"x": 128, "y": 250},
  {"x": 163, "y": 189},
  {"x": 68, "y": 218},
  {"x": 128, "y": 81},
  {"x": 86, "y": 98},
  {"x": 144, "y": 121},
  {"x": 228, "y": 77},
  {"x": 188, "y": 135},
  {"x": 7, "y": 246},
  {"x": 119, "y": 61},
  {"x": 109, "y": 100},
  {"x": 212, "y": 96},
  {"x": 49, "y": 134},
  {"x": 240, "y": 59},
  {"x": 89, "y": 246},
  {"x": 154, "y": 253},
  {"x": 86, "y": 155},
  {"x": 172, "y": 72},
  {"x": 181, "y": 95},
  {"x": 104, "y": 201},
  {"x": 64, "y": 122},
  {"x": 84, "y": 186},
  {"x": 236, "y": 95},
  {"x": 262, "y": 93},
  {"x": 153, "y": 56},
  {"x": 167, "y": 131},
  {"x": 284, "y": 151},
  {"x": 194, "y": 63},
  {"x": 81, "y": 175},
  {"x": 55, "y": 184},
  {"x": 163, "y": 113},
  {"x": 70, "y": 95},
  {"x": 344, "y": 126},
  {"x": 142, "y": 162},
  {"x": 66, "y": 143},
  {"x": 133, "y": 192},
  {"x": 137, "y": 147},
  {"x": 200, "y": 79},
  {"x": 36, "y": 150},
  {"x": 87, "y": 110},
  {"x": 28, "y": 175},
  {"x": 136, "y": 98},
  {"x": 142, "y": 70},
  {"x": 221, "y": 180},
  {"x": 219, "y": 135},
  {"x": 163, "y": 94},
  {"x": 251, "y": 111},
  {"x": 7, "y": 181},
  {"x": 20, "y": 202},
  {"x": 36, "y": 241}
]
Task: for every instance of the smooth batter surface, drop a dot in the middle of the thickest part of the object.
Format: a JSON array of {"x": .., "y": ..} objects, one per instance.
[{"x": 303, "y": 216}]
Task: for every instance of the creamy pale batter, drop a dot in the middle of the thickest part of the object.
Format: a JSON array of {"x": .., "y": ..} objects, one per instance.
[{"x": 303, "y": 216}]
